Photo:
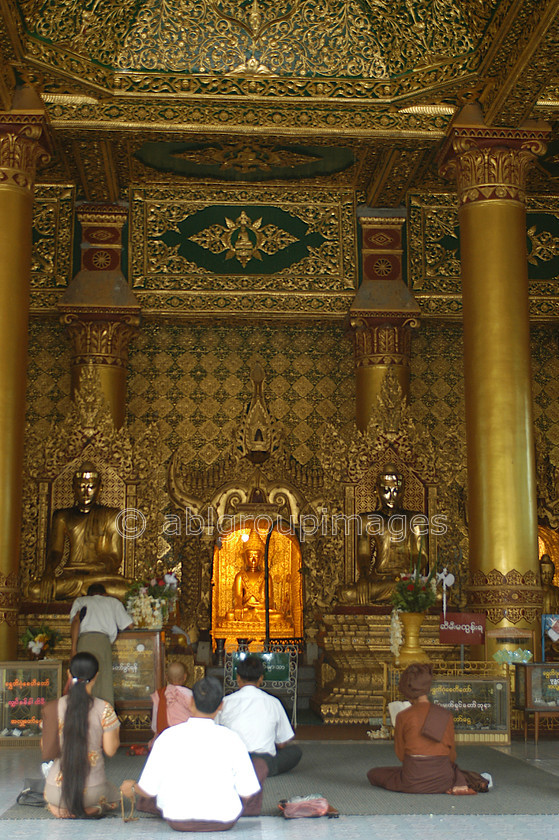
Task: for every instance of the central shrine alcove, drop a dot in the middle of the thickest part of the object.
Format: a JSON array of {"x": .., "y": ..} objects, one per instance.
[{"x": 238, "y": 584}]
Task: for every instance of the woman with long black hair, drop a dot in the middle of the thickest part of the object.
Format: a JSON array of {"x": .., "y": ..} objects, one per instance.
[{"x": 76, "y": 785}]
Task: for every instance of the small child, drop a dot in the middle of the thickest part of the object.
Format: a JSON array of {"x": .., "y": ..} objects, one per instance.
[{"x": 171, "y": 705}]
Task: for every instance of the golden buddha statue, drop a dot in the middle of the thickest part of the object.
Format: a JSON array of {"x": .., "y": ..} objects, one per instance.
[
  {"x": 249, "y": 586},
  {"x": 95, "y": 546},
  {"x": 393, "y": 537},
  {"x": 550, "y": 591}
]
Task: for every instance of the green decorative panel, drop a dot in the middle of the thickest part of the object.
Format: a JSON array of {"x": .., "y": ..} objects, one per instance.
[
  {"x": 245, "y": 161},
  {"x": 252, "y": 251},
  {"x": 434, "y": 254},
  {"x": 51, "y": 256},
  {"x": 346, "y": 39}
]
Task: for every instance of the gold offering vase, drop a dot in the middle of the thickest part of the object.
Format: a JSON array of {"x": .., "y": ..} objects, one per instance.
[{"x": 411, "y": 651}]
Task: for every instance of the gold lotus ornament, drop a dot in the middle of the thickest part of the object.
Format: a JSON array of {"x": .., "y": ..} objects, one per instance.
[{"x": 243, "y": 239}]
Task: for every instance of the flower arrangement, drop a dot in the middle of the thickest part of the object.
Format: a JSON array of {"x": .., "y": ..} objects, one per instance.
[
  {"x": 396, "y": 635},
  {"x": 415, "y": 592},
  {"x": 149, "y": 602},
  {"x": 39, "y": 640}
]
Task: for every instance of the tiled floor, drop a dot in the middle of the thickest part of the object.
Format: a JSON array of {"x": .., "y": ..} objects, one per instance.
[{"x": 16, "y": 763}]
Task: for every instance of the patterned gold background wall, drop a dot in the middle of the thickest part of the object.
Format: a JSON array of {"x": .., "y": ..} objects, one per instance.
[{"x": 194, "y": 380}]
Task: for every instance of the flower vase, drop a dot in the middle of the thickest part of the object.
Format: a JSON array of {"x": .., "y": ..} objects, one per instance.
[{"x": 411, "y": 651}]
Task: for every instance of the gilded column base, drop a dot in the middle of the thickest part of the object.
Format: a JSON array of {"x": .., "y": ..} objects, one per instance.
[{"x": 512, "y": 600}]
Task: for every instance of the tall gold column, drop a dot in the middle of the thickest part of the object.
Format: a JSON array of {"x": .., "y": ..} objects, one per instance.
[
  {"x": 490, "y": 167},
  {"x": 99, "y": 309},
  {"x": 381, "y": 315},
  {"x": 23, "y": 144}
]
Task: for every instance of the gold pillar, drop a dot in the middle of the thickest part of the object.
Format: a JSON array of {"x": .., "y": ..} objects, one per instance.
[
  {"x": 490, "y": 167},
  {"x": 22, "y": 146},
  {"x": 99, "y": 310},
  {"x": 381, "y": 315}
]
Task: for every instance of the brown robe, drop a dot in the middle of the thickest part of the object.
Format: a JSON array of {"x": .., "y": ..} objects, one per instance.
[{"x": 428, "y": 766}]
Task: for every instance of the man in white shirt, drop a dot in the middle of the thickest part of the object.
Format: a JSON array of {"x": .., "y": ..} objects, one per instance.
[
  {"x": 198, "y": 772},
  {"x": 97, "y": 619},
  {"x": 260, "y": 719}
]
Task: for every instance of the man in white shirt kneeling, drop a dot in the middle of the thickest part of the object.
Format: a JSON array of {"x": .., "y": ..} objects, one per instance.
[
  {"x": 260, "y": 719},
  {"x": 199, "y": 774}
]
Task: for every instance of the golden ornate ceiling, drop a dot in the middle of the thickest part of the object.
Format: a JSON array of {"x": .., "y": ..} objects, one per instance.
[{"x": 353, "y": 93}]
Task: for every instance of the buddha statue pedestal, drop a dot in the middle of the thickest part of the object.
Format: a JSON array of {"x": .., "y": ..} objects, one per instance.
[
  {"x": 356, "y": 643},
  {"x": 252, "y": 628}
]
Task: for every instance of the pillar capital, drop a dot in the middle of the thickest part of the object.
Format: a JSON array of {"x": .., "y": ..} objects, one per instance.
[
  {"x": 24, "y": 145},
  {"x": 101, "y": 337},
  {"x": 491, "y": 163},
  {"x": 381, "y": 342}
]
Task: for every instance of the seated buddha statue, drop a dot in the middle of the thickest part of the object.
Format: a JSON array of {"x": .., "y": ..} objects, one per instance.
[
  {"x": 393, "y": 536},
  {"x": 94, "y": 541},
  {"x": 550, "y": 591},
  {"x": 249, "y": 588}
]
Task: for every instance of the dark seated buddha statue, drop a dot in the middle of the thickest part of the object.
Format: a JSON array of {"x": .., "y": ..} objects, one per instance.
[{"x": 94, "y": 545}]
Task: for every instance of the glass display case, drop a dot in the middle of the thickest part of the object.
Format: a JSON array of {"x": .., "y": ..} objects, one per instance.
[{"x": 537, "y": 692}]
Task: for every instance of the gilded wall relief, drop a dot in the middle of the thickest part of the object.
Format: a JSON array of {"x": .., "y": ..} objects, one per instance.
[
  {"x": 193, "y": 381},
  {"x": 434, "y": 254},
  {"x": 296, "y": 38},
  {"x": 244, "y": 160},
  {"x": 251, "y": 250},
  {"x": 53, "y": 227}
]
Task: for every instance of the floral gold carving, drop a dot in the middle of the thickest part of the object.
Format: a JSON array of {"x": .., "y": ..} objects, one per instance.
[
  {"x": 23, "y": 146},
  {"x": 320, "y": 282},
  {"x": 512, "y": 596},
  {"x": 292, "y": 38},
  {"x": 383, "y": 344},
  {"x": 53, "y": 226},
  {"x": 101, "y": 340},
  {"x": 245, "y": 158},
  {"x": 543, "y": 245},
  {"x": 491, "y": 163},
  {"x": 433, "y": 255},
  {"x": 243, "y": 239},
  {"x": 9, "y": 599}
]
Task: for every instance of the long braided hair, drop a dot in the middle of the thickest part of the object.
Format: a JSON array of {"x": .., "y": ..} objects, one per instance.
[{"x": 74, "y": 762}]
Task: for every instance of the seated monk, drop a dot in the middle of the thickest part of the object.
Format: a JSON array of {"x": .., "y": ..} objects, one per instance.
[
  {"x": 249, "y": 588},
  {"x": 94, "y": 540},
  {"x": 424, "y": 743},
  {"x": 398, "y": 537}
]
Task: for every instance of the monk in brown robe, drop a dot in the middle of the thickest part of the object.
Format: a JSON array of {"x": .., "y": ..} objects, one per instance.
[{"x": 424, "y": 743}]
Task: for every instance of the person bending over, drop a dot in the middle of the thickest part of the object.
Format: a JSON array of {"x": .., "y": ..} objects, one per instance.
[
  {"x": 260, "y": 719},
  {"x": 200, "y": 775},
  {"x": 96, "y": 620},
  {"x": 88, "y": 727},
  {"x": 424, "y": 743}
]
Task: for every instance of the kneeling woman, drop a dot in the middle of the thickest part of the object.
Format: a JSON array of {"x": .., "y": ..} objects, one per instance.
[
  {"x": 88, "y": 727},
  {"x": 424, "y": 743}
]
